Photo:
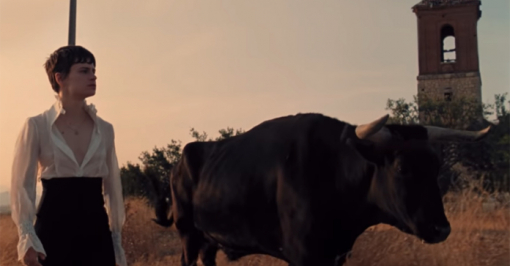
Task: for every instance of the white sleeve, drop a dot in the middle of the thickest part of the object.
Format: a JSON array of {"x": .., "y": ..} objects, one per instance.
[
  {"x": 23, "y": 188},
  {"x": 114, "y": 201}
]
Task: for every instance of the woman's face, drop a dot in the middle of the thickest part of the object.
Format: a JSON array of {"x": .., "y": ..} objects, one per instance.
[{"x": 80, "y": 82}]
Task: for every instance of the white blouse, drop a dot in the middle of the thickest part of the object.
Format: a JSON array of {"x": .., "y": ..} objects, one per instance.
[{"x": 42, "y": 152}]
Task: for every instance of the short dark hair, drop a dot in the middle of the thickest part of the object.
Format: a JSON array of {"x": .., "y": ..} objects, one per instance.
[{"x": 63, "y": 58}]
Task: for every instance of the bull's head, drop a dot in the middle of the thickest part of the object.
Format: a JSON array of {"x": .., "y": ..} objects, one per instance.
[{"x": 405, "y": 185}]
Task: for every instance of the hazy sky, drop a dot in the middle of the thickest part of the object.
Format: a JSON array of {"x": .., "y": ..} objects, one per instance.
[{"x": 165, "y": 66}]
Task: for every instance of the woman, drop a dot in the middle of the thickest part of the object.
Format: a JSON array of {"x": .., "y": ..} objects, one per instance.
[{"x": 72, "y": 150}]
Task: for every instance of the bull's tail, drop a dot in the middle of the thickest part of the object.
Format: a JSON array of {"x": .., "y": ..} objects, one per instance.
[
  {"x": 162, "y": 200},
  {"x": 164, "y": 215}
]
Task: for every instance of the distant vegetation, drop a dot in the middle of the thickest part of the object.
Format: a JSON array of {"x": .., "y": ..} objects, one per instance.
[{"x": 158, "y": 163}]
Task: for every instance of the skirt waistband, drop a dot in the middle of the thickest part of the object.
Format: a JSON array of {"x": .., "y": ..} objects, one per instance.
[
  {"x": 72, "y": 181},
  {"x": 72, "y": 194}
]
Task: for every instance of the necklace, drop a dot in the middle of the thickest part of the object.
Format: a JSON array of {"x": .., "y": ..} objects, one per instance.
[{"x": 76, "y": 132}]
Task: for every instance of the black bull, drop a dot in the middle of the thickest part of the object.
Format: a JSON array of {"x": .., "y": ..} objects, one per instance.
[{"x": 303, "y": 188}]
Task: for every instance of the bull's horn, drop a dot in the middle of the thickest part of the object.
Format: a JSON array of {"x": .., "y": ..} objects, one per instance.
[
  {"x": 444, "y": 134},
  {"x": 366, "y": 130}
]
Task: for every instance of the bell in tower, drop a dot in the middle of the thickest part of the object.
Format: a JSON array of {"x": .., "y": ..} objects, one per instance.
[{"x": 448, "y": 50}]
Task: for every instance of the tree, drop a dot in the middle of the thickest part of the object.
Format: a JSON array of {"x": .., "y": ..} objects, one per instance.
[
  {"x": 150, "y": 179},
  {"x": 403, "y": 113},
  {"x": 130, "y": 178},
  {"x": 224, "y": 134}
]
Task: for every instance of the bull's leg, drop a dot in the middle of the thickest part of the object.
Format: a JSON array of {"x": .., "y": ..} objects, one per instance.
[
  {"x": 208, "y": 254},
  {"x": 194, "y": 244},
  {"x": 192, "y": 239},
  {"x": 191, "y": 244}
]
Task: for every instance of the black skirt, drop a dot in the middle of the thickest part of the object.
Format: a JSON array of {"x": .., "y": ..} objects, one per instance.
[{"x": 72, "y": 223}]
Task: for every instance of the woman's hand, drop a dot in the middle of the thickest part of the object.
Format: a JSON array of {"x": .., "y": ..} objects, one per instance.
[{"x": 31, "y": 257}]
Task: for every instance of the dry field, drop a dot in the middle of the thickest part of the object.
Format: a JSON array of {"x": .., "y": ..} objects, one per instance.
[{"x": 480, "y": 236}]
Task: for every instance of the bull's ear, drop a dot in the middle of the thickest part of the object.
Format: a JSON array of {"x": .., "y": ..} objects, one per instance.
[{"x": 366, "y": 149}]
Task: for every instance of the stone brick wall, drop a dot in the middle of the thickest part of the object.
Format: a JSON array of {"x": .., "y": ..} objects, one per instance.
[{"x": 466, "y": 85}]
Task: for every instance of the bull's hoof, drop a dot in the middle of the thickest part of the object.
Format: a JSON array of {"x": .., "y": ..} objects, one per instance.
[{"x": 340, "y": 259}]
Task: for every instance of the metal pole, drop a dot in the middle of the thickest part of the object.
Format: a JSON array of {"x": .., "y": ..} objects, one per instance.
[{"x": 72, "y": 23}]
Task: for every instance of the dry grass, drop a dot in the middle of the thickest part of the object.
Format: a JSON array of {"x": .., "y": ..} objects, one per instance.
[
  {"x": 8, "y": 241},
  {"x": 480, "y": 236}
]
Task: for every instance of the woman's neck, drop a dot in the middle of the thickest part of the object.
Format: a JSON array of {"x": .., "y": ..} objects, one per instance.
[{"x": 74, "y": 108}]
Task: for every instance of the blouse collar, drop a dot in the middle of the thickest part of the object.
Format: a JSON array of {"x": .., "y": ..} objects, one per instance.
[{"x": 58, "y": 108}]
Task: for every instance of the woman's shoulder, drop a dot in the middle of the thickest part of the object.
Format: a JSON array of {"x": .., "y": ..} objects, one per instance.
[
  {"x": 36, "y": 124},
  {"x": 104, "y": 124},
  {"x": 38, "y": 119}
]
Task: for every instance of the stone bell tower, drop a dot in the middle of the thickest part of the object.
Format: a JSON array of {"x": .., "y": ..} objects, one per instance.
[{"x": 448, "y": 50}]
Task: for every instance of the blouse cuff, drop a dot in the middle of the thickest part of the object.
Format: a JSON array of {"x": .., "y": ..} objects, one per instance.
[
  {"x": 27, "y": 239},
  {"x": 120, "y": 256}
]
